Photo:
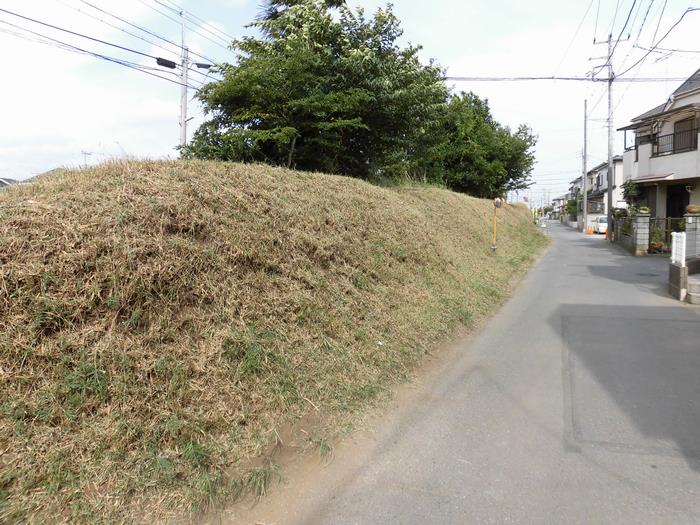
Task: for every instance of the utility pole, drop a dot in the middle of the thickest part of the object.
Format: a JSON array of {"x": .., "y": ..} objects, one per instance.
[
  {"x": 183, "y": 88},
  {"x": 85, "y": 154},
  {"x": 585, "y": 165},
  {"x": 611, "y": 145},
  {"x": 611, "y": 167}
]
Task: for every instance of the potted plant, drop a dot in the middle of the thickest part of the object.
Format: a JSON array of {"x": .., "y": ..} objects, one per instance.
[
  {"x": 656, "y": 239},
  {"x": 693, "y": 209},
  {"x": 644, "y": 210}
]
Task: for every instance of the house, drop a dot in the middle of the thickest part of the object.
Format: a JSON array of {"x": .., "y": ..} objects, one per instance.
[
  {"x": 662, "y": 159},
  {"x": 598, "y": 187},
  {"x": 575, "y": 187},
  {"x": 559, "y": 206},
  {"x": 575, "y": 193}
]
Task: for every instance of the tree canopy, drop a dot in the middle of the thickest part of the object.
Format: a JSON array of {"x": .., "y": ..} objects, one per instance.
[{"x": 326, "y": 88}]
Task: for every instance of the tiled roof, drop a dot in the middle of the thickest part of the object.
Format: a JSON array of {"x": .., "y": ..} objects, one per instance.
[
  {"x": 689, "y": 85},
  {"x": 658, "y": 109}
]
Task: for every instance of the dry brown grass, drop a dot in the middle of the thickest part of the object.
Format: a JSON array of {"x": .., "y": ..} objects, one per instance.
[{"x": 162, "y": 322}]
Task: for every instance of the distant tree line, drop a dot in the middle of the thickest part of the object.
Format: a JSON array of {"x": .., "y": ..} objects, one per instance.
[{"x": 325, "y": 88}]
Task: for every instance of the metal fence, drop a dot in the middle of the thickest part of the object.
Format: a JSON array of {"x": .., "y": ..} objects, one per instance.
[{"x": 675, "y": 143}]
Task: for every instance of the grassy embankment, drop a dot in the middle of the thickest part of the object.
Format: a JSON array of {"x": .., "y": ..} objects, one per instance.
[{"x": 164, "y": 323}]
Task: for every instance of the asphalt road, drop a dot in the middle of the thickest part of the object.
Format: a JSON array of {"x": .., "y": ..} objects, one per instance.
[{"x": 578, "y": 403}]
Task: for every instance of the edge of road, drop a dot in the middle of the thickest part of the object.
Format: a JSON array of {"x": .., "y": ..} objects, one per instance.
[{"x": 305, "y": 473}]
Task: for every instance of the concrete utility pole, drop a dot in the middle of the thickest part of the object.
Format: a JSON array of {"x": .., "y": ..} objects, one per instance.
[
  {"x": 611, "y": 145},
  {"x": 85, "y": 154},
  {"x": 611, "y": 167},
  {"x": 183, "y": 88},
  {"x": 585, "y": 165}
]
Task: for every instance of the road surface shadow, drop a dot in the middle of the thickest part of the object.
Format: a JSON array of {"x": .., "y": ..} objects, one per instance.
[{"x": 632, "y": 378}]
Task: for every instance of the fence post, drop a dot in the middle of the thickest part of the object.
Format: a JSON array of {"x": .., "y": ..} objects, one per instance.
[
  {"x": 641, "y": 234},
  {"x": 678, "y": 270},
  {"x": 692, "y": 234},
  {"x": 678, "y": 247}
]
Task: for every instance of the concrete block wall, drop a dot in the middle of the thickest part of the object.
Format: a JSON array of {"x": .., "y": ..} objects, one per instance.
[
  {"x": 641, "y": 234},
  {"x": 678, "y": 281},
  {"x": 692, "y": 235}
]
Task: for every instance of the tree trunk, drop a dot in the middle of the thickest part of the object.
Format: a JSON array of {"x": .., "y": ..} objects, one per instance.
[{"x": 291, "y": 152}]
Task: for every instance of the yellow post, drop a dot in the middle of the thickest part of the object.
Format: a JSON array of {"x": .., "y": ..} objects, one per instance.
[
  {"x": 495, "y": 228},
  {"x": 497, "y": 203}
]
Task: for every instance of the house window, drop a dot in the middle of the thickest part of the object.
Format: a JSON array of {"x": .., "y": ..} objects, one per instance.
[
  {"x": 596, "y": 207},
  {"x": 685, "y": 135},
  {"x": 684, "y": 125}
]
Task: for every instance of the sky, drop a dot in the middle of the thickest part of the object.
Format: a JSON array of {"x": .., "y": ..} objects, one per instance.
[{"x": 61, "y": 108}]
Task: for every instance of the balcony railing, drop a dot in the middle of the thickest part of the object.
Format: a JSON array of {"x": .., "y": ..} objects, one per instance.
[{"x": 675, "y": 143}]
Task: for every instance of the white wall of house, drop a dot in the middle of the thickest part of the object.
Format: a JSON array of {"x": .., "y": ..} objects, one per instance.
[
  {"x": 682, "y": 165},
  {"x": 599, "y": 181},
  {"x": 629, "y": 165},
  {"x": 695, "y": 196},
  {"x": 667, "y": 126},
  {"x": 670, "y": 167}
]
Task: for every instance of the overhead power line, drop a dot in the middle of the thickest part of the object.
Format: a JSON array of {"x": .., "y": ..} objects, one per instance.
[
  {"x": 639, "y": 33},
  {"x": 617, "y": 9},
  {"x": 658, "y": 24},
  {"x": 644, "y": 20},
  {"x": 636, "y": 15},
  {"x": 619, "y": 37},
  {"x": 667, "y": 50},
  {"x": 130, "y": 33},
  {"x": 70, "y": 47},
  {"x": 114, "y": 26},
  {"x": 201, "y": 21},
  {"x": 655, "y": 44},
  {"x": 74, "y": 33},
  {"x": 595, "y": 31},
  {"x": 629, "y": 53},
  {"x": 181, "y": 12},
  {"x": 572, "y": 79},
  {"x": 182, "y": 22},
  {"x": 145, "y": 30},
  {"x": 573, "y": 39}
]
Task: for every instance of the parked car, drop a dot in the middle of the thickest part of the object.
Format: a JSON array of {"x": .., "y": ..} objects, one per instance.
[{"x": 600, "y": 225}]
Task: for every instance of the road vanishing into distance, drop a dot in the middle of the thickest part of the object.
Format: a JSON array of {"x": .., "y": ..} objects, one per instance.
[{"x": 578, "y": 403}]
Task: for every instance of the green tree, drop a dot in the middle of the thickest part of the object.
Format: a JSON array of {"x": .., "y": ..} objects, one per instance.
[
  {"x": 481, "y": 157},
  {"x": 273, "y": 9},
  {"x": 325, "y": 88},
  {"x": 324, "y": 93},
  {"x": 630, "y": 192}
]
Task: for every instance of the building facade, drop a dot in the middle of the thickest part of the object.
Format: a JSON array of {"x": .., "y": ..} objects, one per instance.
[
  {"x": 662, "y": 157},
  {"x": 598, "y": 187}
]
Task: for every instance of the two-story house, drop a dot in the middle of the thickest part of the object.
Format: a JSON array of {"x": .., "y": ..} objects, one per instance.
[
  {"x": 598, "y": 187},
  {"x": 575, "y": 187},
  {"x": 663, "y": 157}
]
